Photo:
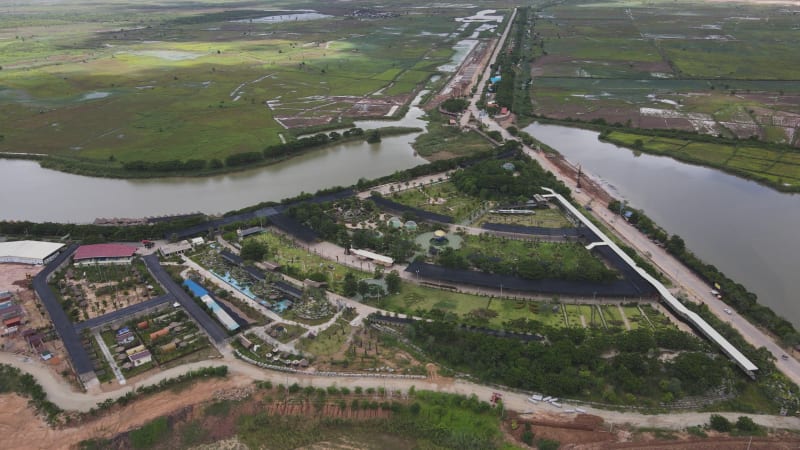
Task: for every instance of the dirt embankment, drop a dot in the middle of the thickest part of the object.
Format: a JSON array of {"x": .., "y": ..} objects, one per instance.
[{"x": 21, "y": 429}]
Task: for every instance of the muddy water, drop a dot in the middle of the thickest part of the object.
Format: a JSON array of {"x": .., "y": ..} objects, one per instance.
[{"x": 747, "y": 230}]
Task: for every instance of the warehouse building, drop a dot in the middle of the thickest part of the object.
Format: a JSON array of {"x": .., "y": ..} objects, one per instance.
[
  {"x": 104, "y": 254},
  {"x": 29, "y": 252}
]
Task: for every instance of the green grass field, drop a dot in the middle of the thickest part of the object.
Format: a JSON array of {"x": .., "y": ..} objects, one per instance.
[
  {"x": 414, "y": 298},
  {"x": 114, "y": 82},
  {"x": 441, "y": 198}
]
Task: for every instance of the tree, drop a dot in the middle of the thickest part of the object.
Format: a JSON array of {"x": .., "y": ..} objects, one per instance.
[
  {"x": 363, "y": 288},
  {"x": 350, "y": 284},
  {"x": 373, "y": 136},
  {"x": 719, "y": 423},
  {"x": 254, "y": 250},
  {"x": 393, "y": 282},
  {"x": 675, "y": 245},
  {"x": 495, "y": 135}
]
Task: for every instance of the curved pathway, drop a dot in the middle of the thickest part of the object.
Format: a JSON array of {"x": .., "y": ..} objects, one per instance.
[{"x": 62, "y": 394}]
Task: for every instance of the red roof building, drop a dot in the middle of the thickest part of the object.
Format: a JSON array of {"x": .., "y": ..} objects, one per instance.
[{"x": 104, "y": 254}]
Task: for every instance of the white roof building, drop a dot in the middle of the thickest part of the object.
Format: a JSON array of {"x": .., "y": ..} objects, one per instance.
[
  {"x": 380, "y": 259},
  {"x": 176, "y": 248},
  {"x": 29, "y": 252}
]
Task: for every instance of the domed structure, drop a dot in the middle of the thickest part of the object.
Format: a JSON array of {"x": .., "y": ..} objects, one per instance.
[{"x": 395, "y": 222}]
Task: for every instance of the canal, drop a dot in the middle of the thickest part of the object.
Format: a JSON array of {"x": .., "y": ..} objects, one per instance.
[{"x": 745, "y": 229}]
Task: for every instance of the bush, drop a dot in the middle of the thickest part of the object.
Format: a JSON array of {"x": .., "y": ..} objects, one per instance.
[
  {"x": 745, "y": 423},
  {"x": 719, "y": 423},
  {"x": 150, "y": 434}
]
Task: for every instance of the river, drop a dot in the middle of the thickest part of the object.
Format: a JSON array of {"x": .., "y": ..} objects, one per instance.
[
  {"x": 29, "y": 192},
  {"x": 745, "y": 229}
]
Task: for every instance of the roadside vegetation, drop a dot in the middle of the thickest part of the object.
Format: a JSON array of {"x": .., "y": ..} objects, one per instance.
[
  {"x": 732, "y": 293},
  {"x": 13, "y": 380},
  {"x": 627, "y": 368},
  {"x": 289, "y": 417}
]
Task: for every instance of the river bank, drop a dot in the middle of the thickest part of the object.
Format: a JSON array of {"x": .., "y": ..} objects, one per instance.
[
  {"x": 773, "y": 165},
  {"x": 196, "y": 168}
]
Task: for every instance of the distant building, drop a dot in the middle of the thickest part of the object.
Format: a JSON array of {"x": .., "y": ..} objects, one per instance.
[
  {"x": 198, "y": 241},
  {"x": 104, "y": 254},
  {"x": 250, "y": 231},
  {"x": 29, "y": 252},
  {"x": 177, "y": 248}
]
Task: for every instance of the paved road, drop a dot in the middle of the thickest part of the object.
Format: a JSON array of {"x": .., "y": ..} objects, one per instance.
[
  {"x": 124, "y": 312},
  {"x": 487, "y": 73},
  {"x": 60, "y": 393},
  {"x": 211, "y": 327},
  {"x": 63, "y": 325}
]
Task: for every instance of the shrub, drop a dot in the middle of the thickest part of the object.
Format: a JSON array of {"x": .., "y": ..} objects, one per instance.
[{"x": 719, "y": 423}]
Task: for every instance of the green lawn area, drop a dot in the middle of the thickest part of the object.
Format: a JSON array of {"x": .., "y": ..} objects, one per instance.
[
  {"x": 328, "y": 342},
  {"x": 441, "y": 198},
  {"x": 291, "y": 332},
  {"x": 414, "y": 297},
  {"x": 284, "y": 251},
  {"x": 548, "y": 218},
  {"x": 443, "y": 140},
  {"x": 558, "y": 260}
]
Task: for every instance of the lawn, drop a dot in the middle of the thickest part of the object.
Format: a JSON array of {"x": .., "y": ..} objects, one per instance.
[
  {"x": 415, "y": 299},
  {"x": 547, "y": 218},
  {"x": 328, "y": 342},
  {"x": 440, "y": 198},
  {"x": 285, "y": 252},
  {"x": 443, "y": 140}
]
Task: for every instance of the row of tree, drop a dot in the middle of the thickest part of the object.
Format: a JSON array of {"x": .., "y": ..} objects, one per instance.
[
  {"x": 245, "y": 158},
  {"x": 734, "y": 294}
]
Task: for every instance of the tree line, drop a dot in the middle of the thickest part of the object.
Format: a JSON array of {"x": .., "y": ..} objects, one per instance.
[{"x": 733, "y": 293}]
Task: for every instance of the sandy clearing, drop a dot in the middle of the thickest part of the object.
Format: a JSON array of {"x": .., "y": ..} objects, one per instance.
[{"x": 21, "y": 429}]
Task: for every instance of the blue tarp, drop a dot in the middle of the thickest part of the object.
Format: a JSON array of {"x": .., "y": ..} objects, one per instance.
[{"x": 197, "y": 290}]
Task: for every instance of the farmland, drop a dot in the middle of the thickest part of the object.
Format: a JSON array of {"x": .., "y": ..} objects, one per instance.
[
  {"x": 710, "y": 68},
  {"x": 98, "y": 86}
]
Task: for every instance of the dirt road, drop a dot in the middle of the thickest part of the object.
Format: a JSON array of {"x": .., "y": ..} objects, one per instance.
[{"x": 62, "y": 394}]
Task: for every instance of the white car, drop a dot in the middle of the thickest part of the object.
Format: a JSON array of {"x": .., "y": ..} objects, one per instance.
[{"x": 728, "y": 311}]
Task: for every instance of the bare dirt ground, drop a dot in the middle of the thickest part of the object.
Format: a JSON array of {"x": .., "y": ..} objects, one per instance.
[
  {"x": 12, "y": 274},
  {"x": 21, "y": 429}
]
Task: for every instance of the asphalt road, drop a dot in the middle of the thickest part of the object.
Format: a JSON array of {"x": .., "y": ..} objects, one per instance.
[
  {"x": 124, "y": 312},
  {"x": 211, "y": 327}
]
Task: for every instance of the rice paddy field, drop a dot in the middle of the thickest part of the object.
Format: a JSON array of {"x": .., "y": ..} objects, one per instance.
[
  {"x": 717, "y": 68},
  {"x": 114, "y": 81}
]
